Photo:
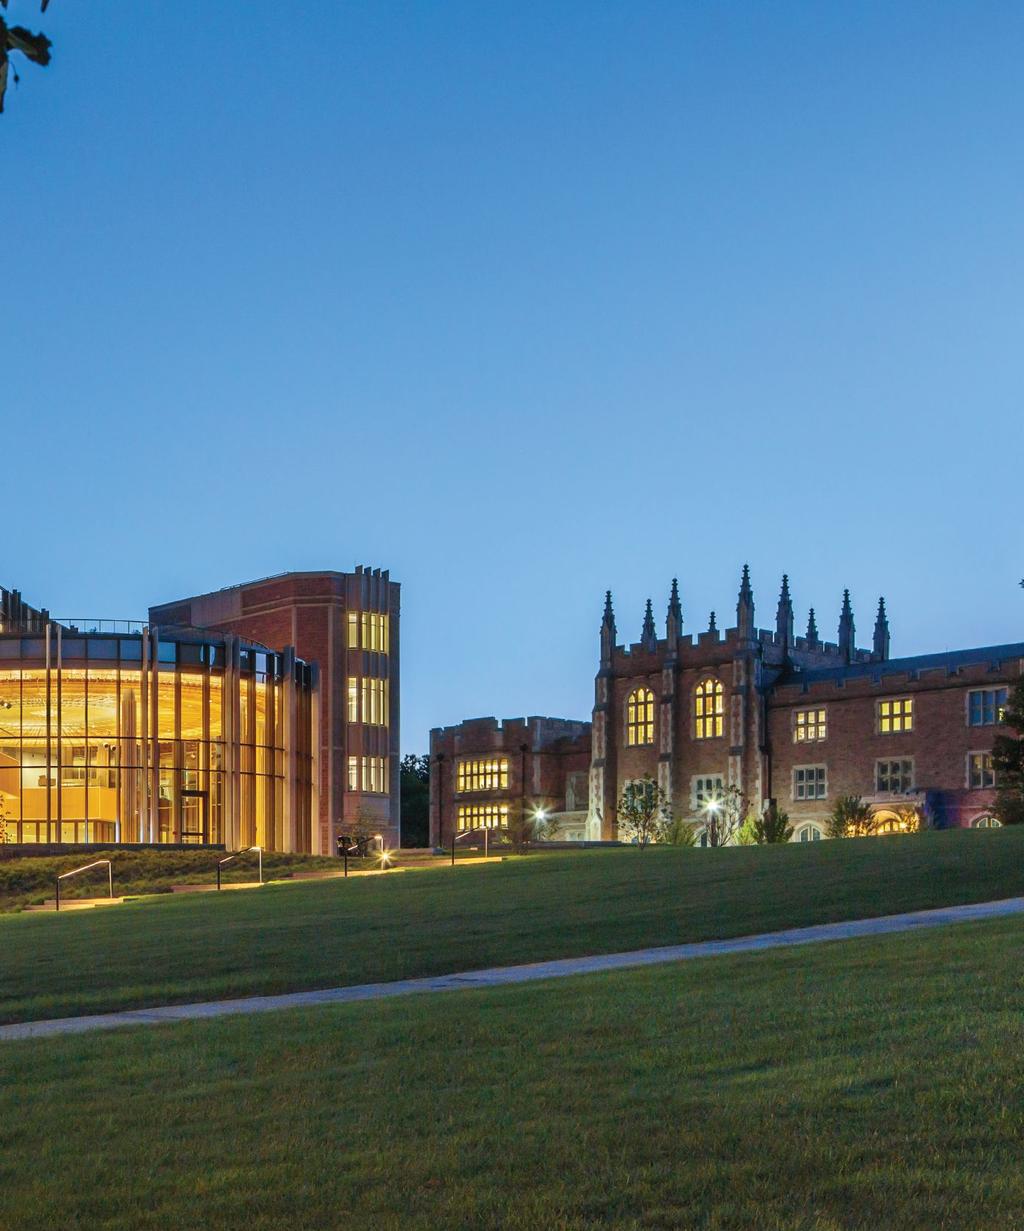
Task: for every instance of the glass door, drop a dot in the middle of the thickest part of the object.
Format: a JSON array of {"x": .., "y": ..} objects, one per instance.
[{"x": 193, "y": 817}]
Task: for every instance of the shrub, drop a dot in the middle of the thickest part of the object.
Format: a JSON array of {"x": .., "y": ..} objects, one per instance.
[
  {"x": 677, "y": 832},
  {"x": 851, "y": 818},
  {"x": 772, "y": 825}
]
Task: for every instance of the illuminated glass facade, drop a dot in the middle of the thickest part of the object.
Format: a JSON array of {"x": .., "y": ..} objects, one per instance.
[{"x": 178, "y": 737}]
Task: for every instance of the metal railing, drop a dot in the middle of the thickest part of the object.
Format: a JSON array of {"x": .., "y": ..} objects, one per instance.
[
  {"x": 237, "y": 855},
  {"x": 85, "y": 868},
  {"x": 467, "y": 833},
  {"x": 91, "y": 624}
]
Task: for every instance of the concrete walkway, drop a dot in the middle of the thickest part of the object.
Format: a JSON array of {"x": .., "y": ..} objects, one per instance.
[{"x": 501, "y": 976}]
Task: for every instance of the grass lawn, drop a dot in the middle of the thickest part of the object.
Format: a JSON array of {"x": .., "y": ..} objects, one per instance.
[
  {"x": 25, "y": 880},
  {"x": 289, "y": 937},
  {"x": 855, "y": 1085}
]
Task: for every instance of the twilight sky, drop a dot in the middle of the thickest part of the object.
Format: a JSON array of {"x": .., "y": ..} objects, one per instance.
[{"x": 523, "y": 300}]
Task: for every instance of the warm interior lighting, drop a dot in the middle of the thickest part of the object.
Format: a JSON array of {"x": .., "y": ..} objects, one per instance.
[
  {"x": 640, "y": 717},
  {"x": 709, "y": 709}
]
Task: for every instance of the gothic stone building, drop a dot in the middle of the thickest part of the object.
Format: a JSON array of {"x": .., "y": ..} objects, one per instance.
[
  {"x": 795, "y": 719},
  {"x": 483, "y": 769}
]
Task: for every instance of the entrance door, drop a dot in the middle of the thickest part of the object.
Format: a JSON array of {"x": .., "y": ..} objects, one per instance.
[{"x": 193, "y": 817}]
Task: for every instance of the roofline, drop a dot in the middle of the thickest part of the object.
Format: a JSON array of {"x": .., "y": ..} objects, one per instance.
[
  {"x": 258, "y": 581},
  {"x": 898, "y": 666}
]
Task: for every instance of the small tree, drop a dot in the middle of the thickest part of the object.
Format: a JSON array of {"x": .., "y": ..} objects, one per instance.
[
  {"x": 1008, "y": 760},
  {"x": 911, "y": 818},
  {"x": 851, "y": 818},
  {"x": 643, "y": 810},
  {"x": 525, "y": 824},
  {"x": 772, "y": 825},
  {"x": 723, "y": 815},
  {"x": 746, "y": 835},
  {"x": 547, "y": 826}
]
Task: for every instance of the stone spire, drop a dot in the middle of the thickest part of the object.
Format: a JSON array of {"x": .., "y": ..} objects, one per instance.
[
  {"x": 812, "y": 629},
  {"x": 649, "y": 636},
  {"x": 847, "y": 632},
  {"x": 745, "y": 607},
  {"x": 784, "y": 617},
  {"x": 607, "y": 631},
  {"x": 712, "y": 626},
  {"x": 674, "y": 621},
  {"x": 881, "y": 641}
]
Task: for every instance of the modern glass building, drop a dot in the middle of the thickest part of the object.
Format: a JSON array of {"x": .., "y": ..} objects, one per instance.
[{"x": 153, "y": 736}]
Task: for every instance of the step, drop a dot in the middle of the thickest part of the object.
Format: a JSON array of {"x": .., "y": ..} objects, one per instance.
[
  {"x": 76, "y": 903},
  {"x": 211, "y": 886}
]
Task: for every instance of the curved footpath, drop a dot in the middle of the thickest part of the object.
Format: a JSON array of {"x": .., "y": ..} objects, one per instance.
[{"x": 500, "y": 976}]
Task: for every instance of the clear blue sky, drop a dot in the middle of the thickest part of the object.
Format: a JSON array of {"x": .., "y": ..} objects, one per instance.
[{"x": 523, "y": 301}]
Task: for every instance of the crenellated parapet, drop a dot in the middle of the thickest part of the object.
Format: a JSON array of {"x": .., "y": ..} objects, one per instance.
[{"x": 869, "y": 677}]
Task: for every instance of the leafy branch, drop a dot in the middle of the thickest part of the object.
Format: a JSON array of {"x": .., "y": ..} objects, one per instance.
[{"x": 34, "y": 47}]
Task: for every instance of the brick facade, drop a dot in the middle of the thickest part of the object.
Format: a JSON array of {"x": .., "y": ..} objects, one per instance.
[
  {"x": 483, "y": 766},
  {"x": 767, "y": 676},
  {"x": 311, "y": 611},
  {"x": 797, "y": 719}
]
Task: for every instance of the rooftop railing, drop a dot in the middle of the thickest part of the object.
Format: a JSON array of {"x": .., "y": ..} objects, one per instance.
[{"x": 89, "y": 624}]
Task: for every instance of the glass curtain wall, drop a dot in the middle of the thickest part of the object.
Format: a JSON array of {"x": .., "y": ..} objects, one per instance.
[{"x": 98, "y": 746}]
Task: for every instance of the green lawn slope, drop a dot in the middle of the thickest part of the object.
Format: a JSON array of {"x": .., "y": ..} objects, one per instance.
[
  {"x": 289, "y": 937},
  {"x": 856, "y": 1085}
]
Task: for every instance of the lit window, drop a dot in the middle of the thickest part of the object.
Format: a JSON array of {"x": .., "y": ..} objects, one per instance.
[
  {"x": 368, "y": 774},
  {"x": 709, "y": 709},
  {"x": 894, "y": 777},
  {"x": 706, "y": 788},
  {"x": 368, "y": 629},
  {"x": 640, "y": 717},
  {"x": 986, "y": 822},
  {"x": 482, "y": 816},
  {"x": 985, "y": 706},
  {"x": 808, "y": 726},
  {"x": 810, "y": 833},
  {"x": 810, "y": 782},
  {"x": 353, "y": 699},
  {"x": 484, "y": 774},
  {"x": 980, "y": 774},
  {"x": 375, "y": 702},
  {"x": 895, "y": 716}
]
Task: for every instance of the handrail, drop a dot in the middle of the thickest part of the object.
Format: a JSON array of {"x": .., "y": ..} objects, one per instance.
[
  {"x": 466, "y": 833},
  {"x": 222, "y": 862},
  {"x": 85, "y": 868}
]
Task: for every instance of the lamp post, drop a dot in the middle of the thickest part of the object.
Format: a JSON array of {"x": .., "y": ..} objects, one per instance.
[
  {"x": 540, "y": 815},
  {"x": 711, "y": 810},
  {"x": 523, "y": 750}
]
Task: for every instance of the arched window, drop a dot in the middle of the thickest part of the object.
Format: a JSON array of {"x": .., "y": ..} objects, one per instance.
[
  {"x": 809, "y": 833},
  {"x": 709, "y": 709},
  {"x": 986, "y": 822},
  {"x": 640, "y": 717}
]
